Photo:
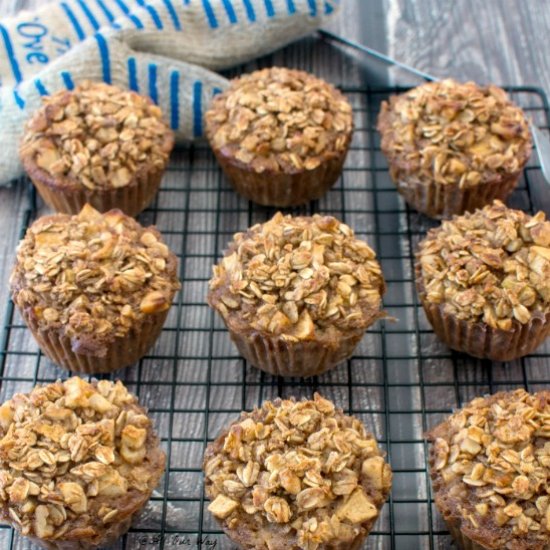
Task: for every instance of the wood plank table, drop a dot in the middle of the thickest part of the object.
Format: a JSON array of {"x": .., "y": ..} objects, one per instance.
[{"x": 401, "y": 380}]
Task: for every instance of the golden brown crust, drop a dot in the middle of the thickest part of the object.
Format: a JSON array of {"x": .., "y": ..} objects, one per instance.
[
  {"x": 296, "y": 475},
  {"x": 77, "y": 461},
  {"x": 454, "y": 147},
  {"x": 489, "y": 466},
  {"x": 280, "y": 135},
  {"x": 484, "y": 281},
  {"x": 93, "y": 280},
  {"x": 97, "y": 144},
  {"x": 297, "y": 284}
]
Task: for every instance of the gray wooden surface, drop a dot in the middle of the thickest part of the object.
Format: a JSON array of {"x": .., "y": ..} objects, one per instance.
[{"x": 503, "y": 41}]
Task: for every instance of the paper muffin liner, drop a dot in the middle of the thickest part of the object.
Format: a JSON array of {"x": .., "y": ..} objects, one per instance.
[
  {"x": 306, "y": 358},
  {"x": 462, "y": 541},
  {"x": 112, "y": 533},
  {"x": 279, "y": 188},
  {"x": 479, "y": 339},
  {"x": 442, "y": 201},
  {"x": 121, "y": 352},
  {"x": 131, "y": 199}
]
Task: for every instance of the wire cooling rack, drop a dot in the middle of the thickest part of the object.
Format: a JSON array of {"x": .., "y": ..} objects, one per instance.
[{"x": 400, "y": 382}]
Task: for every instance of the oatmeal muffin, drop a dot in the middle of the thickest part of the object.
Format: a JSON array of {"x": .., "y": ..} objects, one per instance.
[
  {"x": 281, "y": 136},
  {"x": 297, "y": 293},
  {"x": 78, "y": 461},
  {"x": 293, "y": 475},
  {"x": 96, "y": 144},
  {"x": 484, "y": 282},
  {"x": 454, "y": 147},
  {"x": 489, "y": 467},
  {"x": 93, "y": 288}
]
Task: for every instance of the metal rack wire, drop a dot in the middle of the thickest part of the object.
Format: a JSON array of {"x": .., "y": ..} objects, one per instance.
[{"x": 400, "y": 382}]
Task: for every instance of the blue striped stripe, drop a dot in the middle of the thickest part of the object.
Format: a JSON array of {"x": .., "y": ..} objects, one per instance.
[
  {"x": 152, "y": 12},
  {"x": 67, "y": 80},
  {"x": 124, "y": 8},
  {"x": 132, "y": 74},
  {"x": 291, "y": 7},
  {"x": 74, "y": 21},
  {"x": 174, "y": 100},
  {"x": 153, "y": 92},
  {"x": 10, "y": 53},
  {"x": 230, "y": 11},
  {"x": 269, "y": 8},
  {"x": 210, "y": 15},
  {"x": 108, "y": 14},
  {"x": 249, "y": 10},
  {"x": 170, "y": 9},
  {"x": 18, "y": 99},
  {"x": 328, "y": 8},
  {"x": 86, "y": 10},
  {"x": 312, "y": 7},
  {"x": 104, "y": 54},
  {"x": 216, "y": 91},
  {"x": 197, "y": 109},
  {"x": 40, "y": 87}
]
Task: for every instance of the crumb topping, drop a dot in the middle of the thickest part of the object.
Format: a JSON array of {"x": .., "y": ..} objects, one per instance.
[
  {"x": 298, "y": 277},
  {"x": 98, "y": 136},
  {"x": 280, "y": 120},
  {"x": 303, "y": 465},
  {"x": 74, "y": 458},
  {"x": 449, "y": 132},
  {"x": 492, "y": 265}
]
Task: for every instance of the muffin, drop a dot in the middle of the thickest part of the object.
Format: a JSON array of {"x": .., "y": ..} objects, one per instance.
[
  {"x": 96, "y": 144},
  {"x": 78, "y": 461},
  {"x": 489, "y": 467},
  {"x": 295, "y": 475},
  {"x": 454, "y": 147},
  {"x": 297, "y": 293},
  {"x": 484, "y": 282},
  {"x": 281, "y": 136},
  {"x": 94, "y": 288}
]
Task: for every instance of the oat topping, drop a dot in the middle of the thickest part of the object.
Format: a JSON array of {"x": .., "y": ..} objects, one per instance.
[
  {"x": 98, "y": 136},
  {"x": 75, "y": 457},
  {"x": 298, "y": 277},
  {"x": 452, "y": 132},
  {"x": 303, "y": 466},
  {"x": 280, "y": 120},
  {"x": 492, "y": 265},
  {"x": 93, "y": 275},
  {"x": 490, "y": 462}
]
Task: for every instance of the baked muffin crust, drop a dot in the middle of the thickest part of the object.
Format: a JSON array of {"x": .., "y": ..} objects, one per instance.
[
  {"x": 77, "y": 460},
  {"x": 92, "y": 277},
  {"x": 296, "y": 475},
  {"x": 489, "y": 466},
  {"x": 279, "y": 120},
  {"x": 491, "y": 266},
  {"x": 96, "y": 136},
  {"x": 300, "y": 278}
]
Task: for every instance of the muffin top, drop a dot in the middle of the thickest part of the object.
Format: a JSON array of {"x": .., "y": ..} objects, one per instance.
[
  {"x": 489, "y": 464},
  {"x": 492, "y": 265},
  {"x": 93, "y": 277},
  {"x": 279, "y": 120},
  {"x": 450, "y": 132},
  {"x": 297, "y": 475},
  {"x": 298, "y": 277},
  {"x": 97, "y": 136},
  {"x": 75, "y": 457}
]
